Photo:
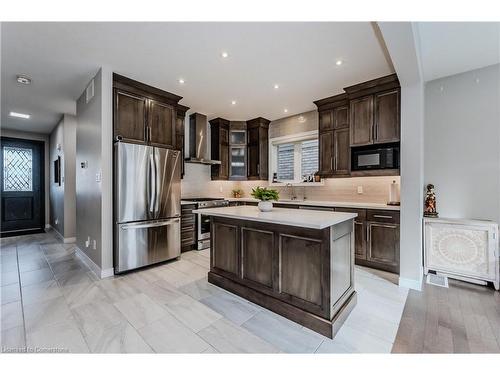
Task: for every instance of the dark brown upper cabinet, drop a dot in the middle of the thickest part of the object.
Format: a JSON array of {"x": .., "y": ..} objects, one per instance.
[
  {"x": 342, "y": 151},
  {"x": 161, "y": 122},
  {"x": 334, "y": 151},
  {"x": 179, "y": 134},
  {"x": 219, "y": 137},
  {"x": 326, "y": 153},
  {"x": 238, "y": 150},
  {"x": 144, "y": 114},
  {"x": 362, "y": 121},
  {"x": 258, "y": 149},
  {"x": 375, "y": 111},
  {"x": 387, "y": 115},
  {"x": 130, "y": 116}
]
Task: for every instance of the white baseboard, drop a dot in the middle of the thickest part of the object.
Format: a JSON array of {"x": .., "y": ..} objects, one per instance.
[
  {"x": 60, "y": 236},
  {"x": 100, "y": 273},
  {"x": 69, "y": 240},
  {"x": 411, "y": 283}
]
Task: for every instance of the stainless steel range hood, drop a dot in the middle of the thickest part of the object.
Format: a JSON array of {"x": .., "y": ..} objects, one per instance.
[{"x": 198, "y": 140}]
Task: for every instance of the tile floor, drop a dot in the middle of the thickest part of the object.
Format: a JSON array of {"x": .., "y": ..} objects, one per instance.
[{"x": 51, "y": 300}]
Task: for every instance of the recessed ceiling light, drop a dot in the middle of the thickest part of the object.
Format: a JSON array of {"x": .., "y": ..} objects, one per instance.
[
  {"x": 233, "y": 102},
  {"x": 181, "y": 81},
  {"x": 20, "y": 115},
  {"x": 285, "y": 110},
  {"x": 25, "y": 80},
  {"x": 224, "y": 54},
  {"x": 276, "y": 86},
  {"x": 339, "y": 62}
]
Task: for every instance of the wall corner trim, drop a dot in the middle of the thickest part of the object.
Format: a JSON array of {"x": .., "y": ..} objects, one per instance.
[
  {"x": 411, "y": 283},
  {"x": 100, "y": 273}
]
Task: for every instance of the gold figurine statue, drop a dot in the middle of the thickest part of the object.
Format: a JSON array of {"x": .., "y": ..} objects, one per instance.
[{"x": 430, "y": 202}]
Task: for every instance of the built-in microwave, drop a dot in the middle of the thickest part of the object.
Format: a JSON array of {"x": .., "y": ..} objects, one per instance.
[{"x": 375, "y": 157}]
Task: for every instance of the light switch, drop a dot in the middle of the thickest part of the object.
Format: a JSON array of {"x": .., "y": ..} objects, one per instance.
[
  {"x": 360, "y": 189},
  {"x": 98, "y": 177}
]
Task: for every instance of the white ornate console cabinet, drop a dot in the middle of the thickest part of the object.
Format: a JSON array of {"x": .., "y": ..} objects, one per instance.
[{"x": 462, "y": 249}]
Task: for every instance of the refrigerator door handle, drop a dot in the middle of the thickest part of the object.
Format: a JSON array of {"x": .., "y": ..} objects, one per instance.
[
  {"x": 150, "y": 225},
  {"x": 152, "y": 184},
  {"x": 157, "y": 187}
]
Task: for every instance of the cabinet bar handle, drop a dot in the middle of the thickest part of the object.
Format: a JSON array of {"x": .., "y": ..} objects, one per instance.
[{"x": 383, "y": 216}]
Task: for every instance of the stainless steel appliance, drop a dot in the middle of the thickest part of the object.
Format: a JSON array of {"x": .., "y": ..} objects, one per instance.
[
  {"x": 198, "y": 150},
  {"x": 380, "y": 157},
  {"x": 203, "y": 222},
  {"x": 147, "y": 205}
]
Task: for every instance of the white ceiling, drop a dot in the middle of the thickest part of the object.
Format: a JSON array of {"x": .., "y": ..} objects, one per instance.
[
  {"x": 62, "y": 57},
  {"x": 449, "y": 48}
]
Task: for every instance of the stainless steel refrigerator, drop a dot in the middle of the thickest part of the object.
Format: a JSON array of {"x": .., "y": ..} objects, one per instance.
[{"x": 147, "y": 195}]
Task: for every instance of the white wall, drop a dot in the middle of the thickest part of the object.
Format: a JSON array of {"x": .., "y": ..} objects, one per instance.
[
  {"x": 36, "y": 137},
  {"x": 402, "y": 43},
  {"x": 462, "y": 143}
]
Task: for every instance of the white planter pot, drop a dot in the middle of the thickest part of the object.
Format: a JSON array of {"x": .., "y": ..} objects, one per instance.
[{"x": 265, "y": 206}]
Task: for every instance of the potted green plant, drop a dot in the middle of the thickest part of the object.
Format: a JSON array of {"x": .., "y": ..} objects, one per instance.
[
  {"x": 265, "y": 196},
  {"x": 237, "y": 193}
]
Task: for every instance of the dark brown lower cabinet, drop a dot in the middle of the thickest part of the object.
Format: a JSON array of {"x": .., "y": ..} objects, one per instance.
[
  {"x": 303, "y": 274},
  {"x": 376, "y": 236},
  {"x": 383, "y": 246},
  {"x": 360, "y": 240}
]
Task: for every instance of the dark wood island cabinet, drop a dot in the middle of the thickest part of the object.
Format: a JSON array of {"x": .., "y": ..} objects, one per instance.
[{"x": 300, "y": 267}]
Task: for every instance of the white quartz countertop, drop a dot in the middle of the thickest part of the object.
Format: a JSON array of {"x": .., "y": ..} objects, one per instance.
[
  {"x": 374, "y": 206},
  {"x": 283, "y": 216}
]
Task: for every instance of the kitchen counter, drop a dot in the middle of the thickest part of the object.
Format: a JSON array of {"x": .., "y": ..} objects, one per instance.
[
  {"x": 282, "y": 216},
  {"x": 297, "y": 264},
  {"x": 374, "y": 206}
]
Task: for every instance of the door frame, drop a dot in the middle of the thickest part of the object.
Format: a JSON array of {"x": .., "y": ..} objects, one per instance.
[{"x": 41, "y": 144}]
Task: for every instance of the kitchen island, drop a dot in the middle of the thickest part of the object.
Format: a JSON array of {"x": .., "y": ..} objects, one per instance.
[{"x": 298, "y": 264}]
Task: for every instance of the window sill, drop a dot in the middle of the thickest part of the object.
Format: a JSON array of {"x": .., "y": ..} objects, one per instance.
[{"x": 322, "y": 183}]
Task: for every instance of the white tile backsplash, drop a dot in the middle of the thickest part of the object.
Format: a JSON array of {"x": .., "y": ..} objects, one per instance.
[{"x": 197, "y": 183}]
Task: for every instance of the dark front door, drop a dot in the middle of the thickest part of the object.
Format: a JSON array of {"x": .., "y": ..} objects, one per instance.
[{"x": 22, "y": 186}]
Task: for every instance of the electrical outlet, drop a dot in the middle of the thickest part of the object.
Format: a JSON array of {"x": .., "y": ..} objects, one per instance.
[
  {"x": 94, "y": 245},
  {"x": 360, "y": 189}
]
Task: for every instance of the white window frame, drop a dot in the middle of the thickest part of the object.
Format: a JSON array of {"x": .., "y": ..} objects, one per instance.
[{"x": 297, "y": 156}]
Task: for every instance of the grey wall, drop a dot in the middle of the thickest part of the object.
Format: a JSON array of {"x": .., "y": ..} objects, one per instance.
[
  {"x": 63, "y": 198},
  {"x": 303, "y": 122},
  {"x": 69, "y": 149},
  {"x": 94, "y": 145},
  {"x": 37, "y": 137},
  {"x": 462, "y": 143},
  {"x": 88, "y": 190},
  {"x": 56, "y": 192}
]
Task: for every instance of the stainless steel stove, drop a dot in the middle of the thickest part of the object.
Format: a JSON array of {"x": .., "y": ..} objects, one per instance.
[{"x": 203, "y": 222}]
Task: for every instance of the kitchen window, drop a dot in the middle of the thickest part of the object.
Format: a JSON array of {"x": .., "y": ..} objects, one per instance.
[{"x": 294, "y": 157}]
